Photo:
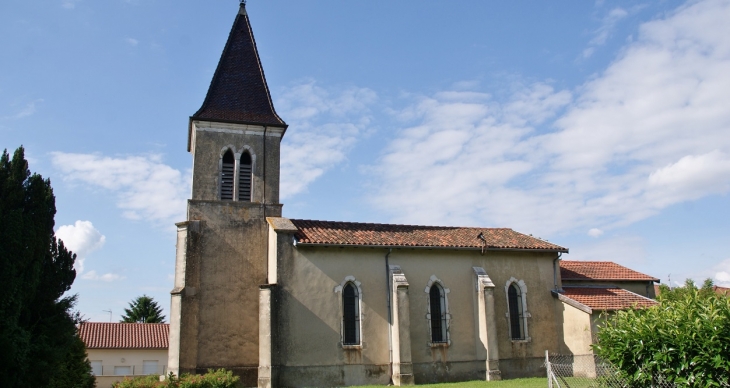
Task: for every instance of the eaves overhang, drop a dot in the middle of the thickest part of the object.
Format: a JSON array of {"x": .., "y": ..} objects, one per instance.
[{"x": 428, "y": 247}]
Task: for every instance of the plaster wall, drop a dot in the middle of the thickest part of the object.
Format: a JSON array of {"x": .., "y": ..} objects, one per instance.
[
  {"x": 577, "y": 331},
  {"x": 133, "y": 358},
  {"x": 642, "y": 288},
  {"x": 309, "y": 345},
  {"x": 310, "y": 312}
]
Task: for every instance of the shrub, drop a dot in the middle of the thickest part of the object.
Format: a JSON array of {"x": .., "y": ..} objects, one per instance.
[
  {"x": 220, "y": 378},
  {"x": 685, "y": 339}
]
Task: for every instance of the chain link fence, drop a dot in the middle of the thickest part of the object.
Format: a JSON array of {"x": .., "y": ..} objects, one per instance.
[{"x": 588, "y": 371}]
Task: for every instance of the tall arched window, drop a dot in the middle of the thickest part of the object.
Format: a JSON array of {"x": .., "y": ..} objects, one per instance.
[
  {"x": 244, "y": 177},
  {"x": 351, "y": 315},
  {"x": 516, "y": 318},
  {"x": 437, "y": 302},
  {"x": 227, "y": 171}
]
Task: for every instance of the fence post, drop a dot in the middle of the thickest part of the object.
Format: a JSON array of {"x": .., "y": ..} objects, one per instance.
[{"x": 547, "y": 366}]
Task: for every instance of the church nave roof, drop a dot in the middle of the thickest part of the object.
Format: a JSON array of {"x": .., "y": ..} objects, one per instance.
[{"x": 311, "y": 232}]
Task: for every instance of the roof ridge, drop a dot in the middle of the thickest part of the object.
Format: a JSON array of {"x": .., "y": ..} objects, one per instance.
[{"x": 408, "y": 225}]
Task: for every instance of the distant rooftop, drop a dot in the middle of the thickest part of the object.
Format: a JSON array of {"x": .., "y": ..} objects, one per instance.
[
  {"x": 102, "y": 335},
  {"x": 599, "y": 270},
  {"x": 608, "y": 298}
]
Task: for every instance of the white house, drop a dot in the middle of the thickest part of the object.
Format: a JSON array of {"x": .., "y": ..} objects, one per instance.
[{"x": 119, "y": 350}]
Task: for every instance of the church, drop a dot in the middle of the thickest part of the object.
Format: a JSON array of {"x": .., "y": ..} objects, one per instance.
[{"x": 293, "y": 302}]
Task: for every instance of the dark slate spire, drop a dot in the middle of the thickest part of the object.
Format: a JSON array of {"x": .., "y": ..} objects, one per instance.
[{"x": 238, "y": 92}]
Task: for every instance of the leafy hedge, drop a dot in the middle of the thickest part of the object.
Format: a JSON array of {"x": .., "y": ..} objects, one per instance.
[
  {"x": 220, "y": 378},
  {"x": 685, "y": 339}
]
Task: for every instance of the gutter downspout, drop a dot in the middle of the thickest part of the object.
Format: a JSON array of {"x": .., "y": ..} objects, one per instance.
[
  {"x": 555, "y": 271},
  {"x": 390, "y": 318}
]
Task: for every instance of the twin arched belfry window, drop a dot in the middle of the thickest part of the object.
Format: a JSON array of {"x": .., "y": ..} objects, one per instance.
[{"x": 232, "y": 186}]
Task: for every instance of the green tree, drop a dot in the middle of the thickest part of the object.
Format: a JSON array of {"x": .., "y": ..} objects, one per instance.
[
  {"x": 685, "y": 339},
  {"x": 37, "y": 326},
  {"x": 143, "y": 309}
]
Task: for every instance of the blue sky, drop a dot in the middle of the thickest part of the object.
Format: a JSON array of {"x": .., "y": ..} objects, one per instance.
[{"x": 601, "y": 126}]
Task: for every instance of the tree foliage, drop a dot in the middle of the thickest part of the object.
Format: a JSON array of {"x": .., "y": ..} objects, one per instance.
[
  {"x": 37, "y": 327},
  {"x": 143, "y": 309},
  {"x": 685, "y": 339},
  {"x": 220, "y": 378}
]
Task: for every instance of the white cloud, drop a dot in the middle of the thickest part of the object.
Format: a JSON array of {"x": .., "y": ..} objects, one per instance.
[
  {"x": 81, "y": 238},
  {"x": 602, "y": 33},
  {"x": 595, "y": 232},
  {"x": 326, "y": 124},
  {"x": 691, "y": 177},
  {"x": 69, "y": 4},
  {"x": 145, "y": 188},
  {"x": 107, "y": 277},
  {"x": 648, "y": 132},
  {"x": 722, "y": 273},
  {"x": 132, "y": 42},
  {"x": 28, "y": 110}
]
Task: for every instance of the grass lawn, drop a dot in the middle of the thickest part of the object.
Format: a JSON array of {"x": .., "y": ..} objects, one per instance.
[{"x": 536, "y": 382}]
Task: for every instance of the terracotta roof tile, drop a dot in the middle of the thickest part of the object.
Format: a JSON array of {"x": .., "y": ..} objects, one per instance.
[
  {"x": 393, "y": 235},
  {"x": 721, "y": 290},
  {"x": 101, "y": 335},
  {"x": 599, "y": 270},
  {"x": 608, "y": 298},
  {"x": 238, "y": 91}
]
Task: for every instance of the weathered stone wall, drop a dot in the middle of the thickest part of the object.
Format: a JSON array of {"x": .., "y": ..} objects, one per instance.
[
  {"x": 210, "y": 141},
  {"x": 223, "y": 260}
]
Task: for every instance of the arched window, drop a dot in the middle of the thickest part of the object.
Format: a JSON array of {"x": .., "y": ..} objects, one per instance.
[
  {"x": 227, "y": 171},
  {"x": 351, "y": 315},
  {"x": 244, "y": 177},
  {"x": 516, "y": 318},
  {"x": 437, "y": 302}
]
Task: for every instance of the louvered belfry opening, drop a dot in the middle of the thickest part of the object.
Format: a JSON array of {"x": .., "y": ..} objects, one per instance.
[
  {"x": 244, "y": 177},
  {"x": 350, "y": 315},
  {"x": 515, "y": 312},
  {"x": 438, "y": 321},
  {"x": 227, "y": 171}
]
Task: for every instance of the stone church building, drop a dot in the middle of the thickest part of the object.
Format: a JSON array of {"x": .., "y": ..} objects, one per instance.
[{"x": 290, "y": 302}]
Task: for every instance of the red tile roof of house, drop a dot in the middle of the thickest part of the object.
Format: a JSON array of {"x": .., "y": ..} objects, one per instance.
[
  {"x": 102, "y": 335},
  {"x": 721, "y": 290},
  {"x": 392, "y": 235},
  {"x": 599, "y": 270},
  {"x": 609, "y": 298}
]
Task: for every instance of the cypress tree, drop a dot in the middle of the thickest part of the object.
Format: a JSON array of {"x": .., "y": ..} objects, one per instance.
[{"x": 37, "y": 325}]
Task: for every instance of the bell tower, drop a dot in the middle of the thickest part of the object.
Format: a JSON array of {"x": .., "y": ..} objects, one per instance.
[{"x": 221, "y": 255}]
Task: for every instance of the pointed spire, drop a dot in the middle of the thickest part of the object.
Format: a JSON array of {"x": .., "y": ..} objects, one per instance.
[{"x": 238, "y": 92}]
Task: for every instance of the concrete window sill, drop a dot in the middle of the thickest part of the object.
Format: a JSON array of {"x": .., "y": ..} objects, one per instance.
[
  {"x": 352, "y": 347},
  {"x": 439, "y": 344},
  {"x": 522, "y": 341}
]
